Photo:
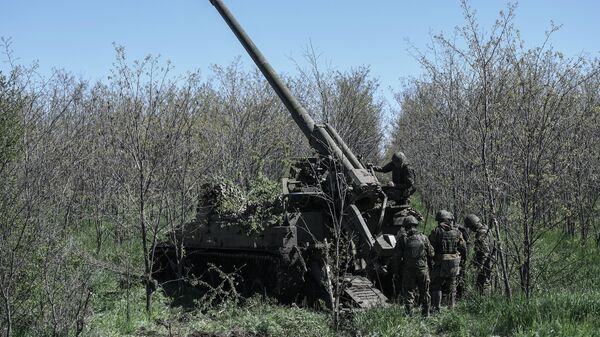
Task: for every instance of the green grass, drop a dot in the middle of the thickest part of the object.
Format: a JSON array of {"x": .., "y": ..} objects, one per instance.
[
  {"x": 558, "y": 314},
  {"x": 265, "y": 319},
  {"x": 116, "y": 314},
  {"x": 255, "y": 315}
]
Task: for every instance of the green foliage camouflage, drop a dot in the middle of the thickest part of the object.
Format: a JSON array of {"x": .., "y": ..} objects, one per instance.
[{"x": 255, "y": 207}]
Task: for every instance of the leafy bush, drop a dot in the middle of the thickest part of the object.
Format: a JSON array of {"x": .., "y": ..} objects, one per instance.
[{"x": 257, "y": 207}]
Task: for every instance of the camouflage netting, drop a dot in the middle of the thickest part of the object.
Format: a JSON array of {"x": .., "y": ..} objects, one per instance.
[{"x": 256, "y": 208}]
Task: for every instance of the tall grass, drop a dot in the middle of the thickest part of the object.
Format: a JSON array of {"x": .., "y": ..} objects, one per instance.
[
  {"x": 256, "y": 315},
  {"x": 561, "y": 313}
]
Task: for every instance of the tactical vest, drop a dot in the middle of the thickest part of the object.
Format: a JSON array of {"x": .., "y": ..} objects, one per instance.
[
  {"x": 446, "y": 253},
  {"x": 415, "y": 254},
  {"x": 449, "y": 241}
]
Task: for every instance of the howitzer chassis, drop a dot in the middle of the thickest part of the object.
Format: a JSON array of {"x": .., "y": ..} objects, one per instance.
[{"x": 289, "y": 261}]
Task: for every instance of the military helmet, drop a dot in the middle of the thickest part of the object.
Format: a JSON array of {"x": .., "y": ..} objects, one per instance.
[
  {"x": 471, "y": 220},
  {"x": 410, "y": 221},
  {"x": 398, "y": 158},
  {"x": 443, "y": 215}
]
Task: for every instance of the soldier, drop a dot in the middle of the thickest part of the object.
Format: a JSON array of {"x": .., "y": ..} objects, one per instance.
[
  {"x": 396, "y": 261},
  {"x": 403, "y": 177},
  {"x": 415, "y": 251},
  {"x": 449, "y": 246},
  {"x": 483, "y": 260}
]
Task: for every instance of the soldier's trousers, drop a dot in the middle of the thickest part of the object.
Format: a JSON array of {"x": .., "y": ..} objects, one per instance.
[
  {"x": 416, "y": 281},
  {"x": 484, "y": 276},
  {"x": 400, "y": 195},
  {"x": 443, "y": 285},
  {"x": 443, "y": 281},
  {"x": 395, "y": 266},
  {"x": 460, "y": 283}
]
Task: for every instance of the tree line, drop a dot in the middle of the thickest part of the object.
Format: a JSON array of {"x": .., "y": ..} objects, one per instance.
[{"x": 509, "y": 132}]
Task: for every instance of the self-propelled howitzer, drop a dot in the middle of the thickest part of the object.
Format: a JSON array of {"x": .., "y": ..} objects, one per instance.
[{"x": 290, "y": 258}]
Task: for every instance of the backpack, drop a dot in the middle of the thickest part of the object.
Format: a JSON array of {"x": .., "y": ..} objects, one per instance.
[{"x": 414, "y": 251}]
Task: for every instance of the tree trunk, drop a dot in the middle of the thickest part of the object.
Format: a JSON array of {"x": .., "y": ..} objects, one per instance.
[
  {"x": 7, "y": 314},
  {"x": 146, "y": 252}
]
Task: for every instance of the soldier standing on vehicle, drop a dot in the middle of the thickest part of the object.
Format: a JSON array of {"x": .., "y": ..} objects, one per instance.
[
  {"x": 484, "y": 257},
  {"x": 449, "y": 246},
  {"x": 415, "y": 251},
  {"x": 403, "y": 177}
]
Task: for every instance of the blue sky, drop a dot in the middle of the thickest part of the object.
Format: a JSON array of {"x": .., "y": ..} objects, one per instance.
[{"x": 79, "y": 35}]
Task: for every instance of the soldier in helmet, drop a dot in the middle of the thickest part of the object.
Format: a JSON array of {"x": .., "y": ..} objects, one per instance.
[
  {"x": 396, "y": 260},
  {"x": 449, "y": 246},
  {"x": 484, "y": 251},
  {"x": 415, "y": 251},
  {"x": 403, "y": 177}
]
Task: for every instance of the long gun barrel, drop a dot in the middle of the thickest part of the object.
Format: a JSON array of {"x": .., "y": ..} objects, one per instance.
[
  {"x": 318, "y": 136},
  {"x": 323, "y": 138},
  {"x": 300, "y": 115}
]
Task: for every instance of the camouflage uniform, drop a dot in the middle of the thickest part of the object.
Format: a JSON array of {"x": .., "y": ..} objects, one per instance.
[
  {"x": 449, "y": 246},
  {"x": 397, "y": 263},
  {"x": 415, "y": 251},
  {"x": 484, "y": 257},
  {"x": 403, "y": 177}
]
